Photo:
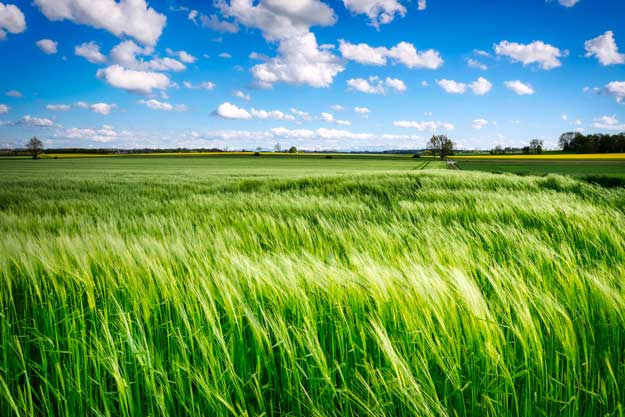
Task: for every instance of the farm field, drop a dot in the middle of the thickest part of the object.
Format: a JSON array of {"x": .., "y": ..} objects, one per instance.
[
  {"x": 242, "y": 286},
  {"x": 564, "y": 164}
]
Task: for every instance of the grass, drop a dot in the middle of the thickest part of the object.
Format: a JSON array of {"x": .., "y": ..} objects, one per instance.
[
  {"x": 610, "y": 172},
  {"x": 266, "y": 287}
]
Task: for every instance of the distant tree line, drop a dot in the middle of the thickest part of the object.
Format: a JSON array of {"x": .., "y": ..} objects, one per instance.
[{"x": 595, "y": 143}]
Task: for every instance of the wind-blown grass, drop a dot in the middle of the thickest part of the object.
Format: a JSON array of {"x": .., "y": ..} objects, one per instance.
[{"x": 425, "y": 293}]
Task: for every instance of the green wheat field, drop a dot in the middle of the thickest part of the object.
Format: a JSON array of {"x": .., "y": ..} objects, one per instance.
[{"x": 242, "y": 286}]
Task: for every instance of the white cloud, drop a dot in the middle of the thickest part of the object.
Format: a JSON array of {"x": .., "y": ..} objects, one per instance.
[
  {"x": 568, "y": 3},
  {"x": 300, "y": 60},
  {"x": 302, "y": 114},
  {"x": 424, "y": 126},
  {"x": 206, "y": 85},
  {"x": 422, "y": 4},
  {"x": 271, "y": 114},
  {"x": 240, "y": 94},
  {"x": 480, "y": 87},
  {"x": 225, "y": 55},
  {"x": 12, "y": 20},
  {"x": 102, "y": 108},
  {"x": 36, "y": 121},
  {"x": 140, "y": 82},
  {"x": 479, "y": 123},
  {"x": 125, "y": 54},
  {"x": 337, "y": 107},
  {"x": 159, "y": 105},
  {"x": 214, "y": 23},
  {"x": 374, "y": 85},
  {"x": 47, "y": 46},
  {"x": 604, "y": 48},
  {"x": 103, "y": 134},
  {"x": 404, "y": 53},
  {"x": 362, "y": 110},
  {"x": 617, "y": 90},
  {"x": 577, "y": 122},
  {"x": 380, "y": 12},
  {"x": 91, "y": 52},
  {"x": 58, "y": 107},
  {"x": 4, "y": 109},
  {"x": 81, "y": 104},
  {"x": 564, "y": 117},
  {"x": 124, "y": 17},
  {"x": 14, "y": 93},
  {"x": 473, "y": 63},
  {"x": 184, "y": 56},
  {"x": 519, "y": 87},
  {"x": 396, "y": 84},
  {"x": 192, "y": 16},
  {"x": 328, "y": 117},
  {"x": 608, "y": 123},
  {"x": 545, "y": 55},
  {"x": 451, "y": 86},
  {"x": 363, "y": 53},
  {"x": 230, "y": 111}
]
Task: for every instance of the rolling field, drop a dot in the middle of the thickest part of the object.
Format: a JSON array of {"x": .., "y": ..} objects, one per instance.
[{"x": 241, "y": 286}]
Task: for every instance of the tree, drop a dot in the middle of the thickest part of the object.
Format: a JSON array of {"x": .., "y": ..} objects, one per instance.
[
  {"x": 35, "y": 147},
  {"x": 292, "y": 149},
  {"x": 536, "y": 146},
  {"x": 277, "y": 147},
  {"x": 441, "y": 145}
]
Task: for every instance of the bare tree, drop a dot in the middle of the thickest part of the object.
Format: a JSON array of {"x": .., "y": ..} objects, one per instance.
[
  {"x": 441, "y": 145},
  {"x": 35, "y": 147},
  {"x": 536, "y": 146}
]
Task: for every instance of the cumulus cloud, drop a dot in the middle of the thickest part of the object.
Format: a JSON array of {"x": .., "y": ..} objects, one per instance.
[
  {"x": 379, "y": 12},
  {"x": 617, "y": 90},
  {"x": 102, "y": 108},
  {"x": 473, "y": 63},
  {"x": 58, "y": 107},
  {"x": 375, "y": 85},
  {"x": 213, "y": 22},
  {"x": 225, "y": 55},
  {"x": 91, "y": 52},
  {"x": 14, "y": 94},
  {"x": 545, "y": 55},
  {"x": 35, "y": 121},
  {"x": 479, "y": 123},
  {"x": 479, "y": 87},
  {"x": 362, "y": 110},
  {"x": 230, "y": 111},
  {"x": 329, "y": 117},
  {"x": 240, "y": 94},
  {"x": 47, "y": 46},
  {"x": 403, "y": 53},
  {"x": 604, "y": 48},
  {"x": 337, "y": 107},
  {"x": 183, "y": 56},
  {"x": 4, "y": 109},
  {"x": 608, "y": 123},
  {"x": 159, "y": 105},
  {"x": 519, "y": 87},
  {"x": 424, "y": 126},
  {"x": 127, "y": 52},
  {"x": 206, "y": 85},
  {"x": 139, "y": 82},
  {"x": 271, "y": 114},
  {"x": 133, "y": 18},
  {"x": 12, "y": 20},
  {"x": 300, "y": 60},
  {"x": 104, "y": 134}
]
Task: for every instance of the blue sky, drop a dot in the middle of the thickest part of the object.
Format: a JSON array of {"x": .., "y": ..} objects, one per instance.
[{"x": 350, "y": 74}]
